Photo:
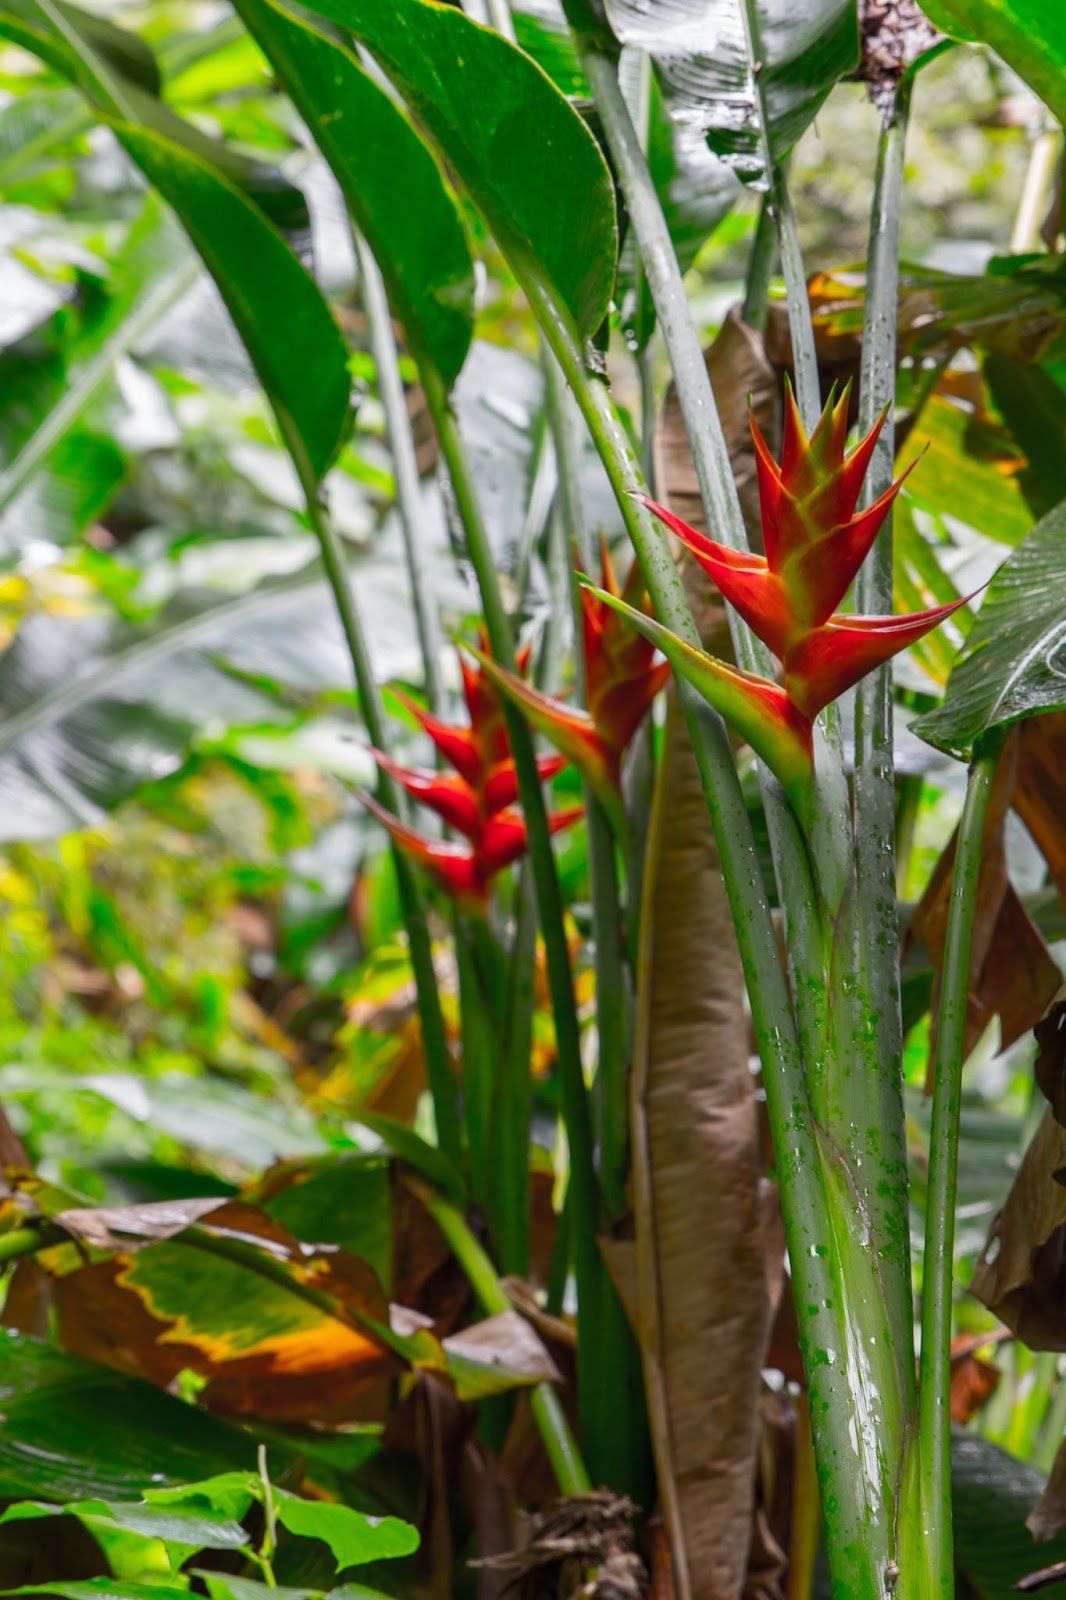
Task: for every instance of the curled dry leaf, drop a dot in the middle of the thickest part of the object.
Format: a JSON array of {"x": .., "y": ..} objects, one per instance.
[
  {"x": 1022, "y": 1272},
  {"x": 1012, "y": 974},
  {"x": 700, "y": 1253}
]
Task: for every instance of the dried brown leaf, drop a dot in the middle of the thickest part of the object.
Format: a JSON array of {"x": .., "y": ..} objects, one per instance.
[
  {"x": 1021, "y": 1275},
  {"x": 1012, "y": 974},
  {"x": 702, "y": 1284}
]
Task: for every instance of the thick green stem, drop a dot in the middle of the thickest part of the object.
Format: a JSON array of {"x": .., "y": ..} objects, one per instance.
[
  {"x": 513, "y": 1091},
  {"x": 611, "y": 1103},
  {"x": 869, "y": 933},
  {"x": 434, "y": 1036},
  {"x": 801, "y": 329},
  {"x": 554, "y": 1430},
  {"x": 934, "y": 1407},
  {"x": 404, "y": 463},
  {"x": 762, "y": 260}
]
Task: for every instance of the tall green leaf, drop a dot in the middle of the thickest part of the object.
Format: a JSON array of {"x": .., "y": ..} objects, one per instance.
[
  {"x": 750, "y": 74},
  {"x": 389, "y": 177},
  {"x": 1028, "y": 34},
  {"x": 529, "y": 161},
  {"x": 1014, "y": 665},
  {"x": 284, "y": 323}
]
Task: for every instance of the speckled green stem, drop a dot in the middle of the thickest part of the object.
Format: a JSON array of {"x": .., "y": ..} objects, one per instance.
[{"x": 932, "y": 1547}]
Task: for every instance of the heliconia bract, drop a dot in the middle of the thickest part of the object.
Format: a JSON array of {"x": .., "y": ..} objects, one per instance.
[
  {"x": 621, "y": 681},
  {"x": 815, "y": 541},
  {"x": 477, "y": 799}
]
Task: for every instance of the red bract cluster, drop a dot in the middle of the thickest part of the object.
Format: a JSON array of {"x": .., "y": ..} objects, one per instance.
[
  {"x": 815, "y": 542},
  {"x": 621, "y": 682},
  {"x": 477, "y": 799}
]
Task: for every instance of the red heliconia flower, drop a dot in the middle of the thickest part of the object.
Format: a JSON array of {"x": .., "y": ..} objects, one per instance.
[
  {"x": 621, "y": 682},
  {"x": 815, "y": 541},
  {"x": 477, "y": 799}
]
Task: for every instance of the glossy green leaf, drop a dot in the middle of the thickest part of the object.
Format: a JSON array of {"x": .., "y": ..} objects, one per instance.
[
  {"x": 105, "y": 1589},
  {"x": 705, "y": 52},
  {"x": 482, "y": 100},
  {"x": 1014, "y": 664},
  {"x": 390, "y": 179},
  {"x": 73, "y": 1429},
  {"x": 353, "y": 1537},
  {"x": 177, "y": 1525},
  {"x": 993, "y": 1494},
  {"x": 205, "y": 1114},
  {"x": 1028, "y": 34},
  {"x": 284, "y": 323}
]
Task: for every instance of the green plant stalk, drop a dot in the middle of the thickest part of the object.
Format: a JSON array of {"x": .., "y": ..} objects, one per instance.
[
  {"x": 442, "y": 1085},
  {"x": 512, "y": 1102},
  {"x": 868, "y": 921},
  {"x": 480, "y": 1049},
  {"x": 761, "y": 262},
  {"x": 613, "y": 1437},
  {"x": 613, "y": 1008},
  {"x": 404, "y": 463},
  {"x": 835, "y": 1269},
  {"x": 933, "y": 1539},
  {"x": 556, "y": 1435}
]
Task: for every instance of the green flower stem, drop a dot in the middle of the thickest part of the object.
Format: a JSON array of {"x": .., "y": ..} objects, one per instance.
[
  {"x": 614, "y": 1437},
  {"x": 761, "y": 263},
  {"x": 933, "y": 1540},
  {"x": 513, "y": 1091},
  {"x": 800, "y": 326},
  {"x": 554, "y": 1430},
  {"x": 858, "y": 1422},
  {"x": 613, "y": 1007},
  {"x": 442, "y": 1085},
  {"x": 868, "y": 923},
  {"x": 404, "y": 463}
]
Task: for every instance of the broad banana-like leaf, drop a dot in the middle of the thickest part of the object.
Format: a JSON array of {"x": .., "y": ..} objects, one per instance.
[
  {"x": 389, "y": 177},
  {"x": 750, "y": 74},
  {"x": 1014, "y": 664},
  {"x": 529, "y": 162}
]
